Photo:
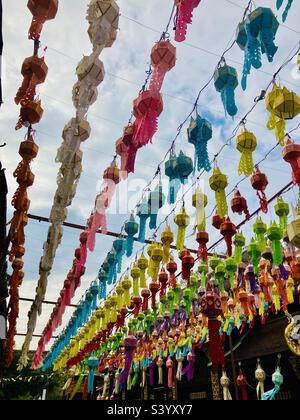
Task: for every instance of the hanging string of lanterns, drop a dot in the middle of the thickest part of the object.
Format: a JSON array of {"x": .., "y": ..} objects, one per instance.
[
  {"x": 103, "y": 17},
  {"x": 34, "y": 71}
]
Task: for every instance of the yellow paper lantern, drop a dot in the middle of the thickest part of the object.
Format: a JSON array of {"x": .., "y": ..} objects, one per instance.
[
  {"x": 218, "y": 183},
  {"x": 182, "y": 220},
  {"x": 246, "y": 144}
]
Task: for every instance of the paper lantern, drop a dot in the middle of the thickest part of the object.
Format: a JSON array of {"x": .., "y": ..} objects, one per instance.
[
  {"x": 163, "y": 59},
  {"x": 217, "y": 221},
  {"x": 131, "y": 228},
  {"x": 260, "y": 230},
  {"x": 91, "y": 70},
  {"x": 291, "y": 154},
  {"x": 218, "y": 182},
  {"x": 143, "y": 212},
  {"x": 226, "y": 81},
  {"x": 279, "y": 3},
  {"x": 228, "y": 230},
  {"x": 31, "y": 113},
  {"x": 185, "y": 17},
  {"x": 246, "y": 144},
  {"x": 83, "y": 96},
  {"x": 34, "y": 70},
  {"x": 239, "y": 204},
  {"x": 210, "y": 305},
  {"x": 156, "y": 202},
  {"x": 143, "y": 265},
  {"x": 123, "y": 151},
  {"x": 293, "y": 229},
  {"x": 199, "y": 202},
  {"x": 260, "y": 182},
  {"x": 239, "y": 242},
  {"x": 275, "y": 235},
  {"x": 146, "y": 109},
  {"x": 171, "y": 171},
  {"x": 42, "y": 10},
  {"x": 167, "y": 238},
  {"x": 283, "y": 105},
  {"x": 28, "y": 149},
  {"x": 256, "y": 36},
  {"x": 182, "y": 220},
  {"x": 199, "y": 133},
  {"x": 282, "y": 210}
]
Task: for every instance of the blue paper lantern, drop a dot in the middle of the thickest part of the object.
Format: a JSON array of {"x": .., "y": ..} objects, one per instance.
[
  {"x": 256, "y": 36},
  {"x": 171, "y": 171},
  {"x": 199, "y": 134},
  {"x": 131, "y": 228},
  {"x": 143, "y": 212},
  {"x": 156, "y": 202},
  {"x": 102, "y": 276},
  {"x": 92, "y": 365},
  {"x": 112, "y": 261},
  {"x": 226, "y": 81},
  {"x": 94, "y": 289},
  {"x": 119, "y": 247}
]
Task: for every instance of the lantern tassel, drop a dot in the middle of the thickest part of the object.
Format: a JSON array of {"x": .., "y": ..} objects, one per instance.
[{"x": 228, "y": 99}]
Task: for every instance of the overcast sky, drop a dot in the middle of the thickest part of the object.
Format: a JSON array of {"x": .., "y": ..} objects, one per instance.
[{"x": 66, "y": 40}]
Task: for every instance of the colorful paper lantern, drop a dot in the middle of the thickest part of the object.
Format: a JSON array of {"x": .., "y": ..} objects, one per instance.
[
  {"x": 228, "y": 230},
  {"x": 131, "y": 228},
  {"x": 275, "y": 235},
  {"x": 167, "y": 238},
  {"x": 226, "y": 81},
  {"x": 256, "y": 36},
  {"x": 42, "y": 10},
  {"x": 185, "y": 17},
  {"x": 291, "y": 154},
  {"x": 260, "y": 230},
  {"x": 246, "y": 144},
  {"x": 218, "y": 183},
  {"x": 163, "y": 59},
  {"x": 260, "y": 182},
  {"x": 143, "y": 212},
  {"x": 156, "y": 202},
  {"x": 239, "y": 205},
  {"x": 182, "y": 220},
  {"x": 199, "y": 134},
  {"x": 239, "y": 242},
  {"x": 146, "y": 109},
  {"x": 210, "y": 305},
  {"x": 34, "y": 70},
  {"x": 282, "y": 210},
  {"x": 171, "y": 171},
  {"x": 283, "y": 105}
]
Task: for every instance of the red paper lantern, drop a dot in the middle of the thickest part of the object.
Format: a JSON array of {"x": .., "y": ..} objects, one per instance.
[
  {"x": 291, "y": 154},
  {"x": 146, "y": 109},
  {"x": 202, "y": 239},
  {"x": 42, "y": 10},
  {"x": 34, "y": 71},
  {"x": 239, "y": 205},
  {"x": 217, "y": 221},
  {"x": 163, "y": 59},
  {"x": 260, "y": 182},
  {"x": 211, "y": 306},
  {"x": 228, "y": 230}
]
